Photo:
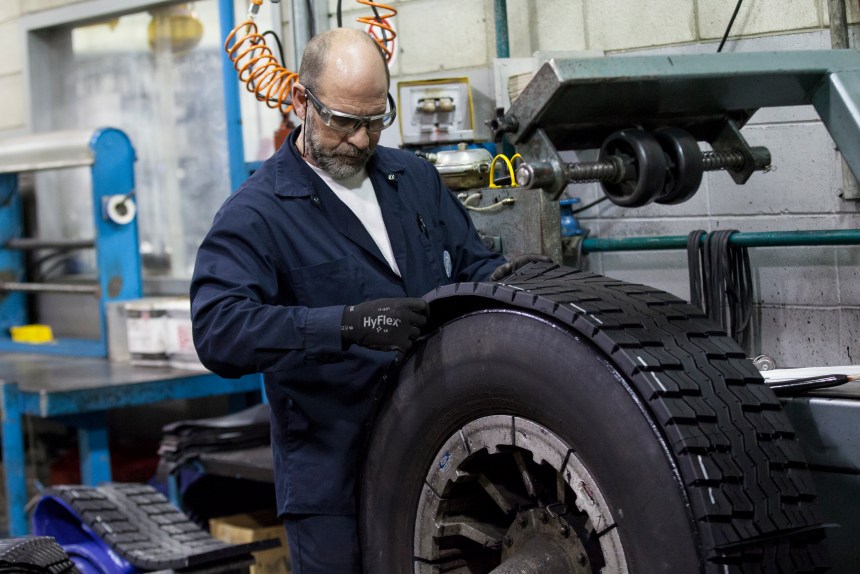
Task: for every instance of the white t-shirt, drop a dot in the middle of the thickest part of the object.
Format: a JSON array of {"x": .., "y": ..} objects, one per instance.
[{"x": 357, "y": 193}]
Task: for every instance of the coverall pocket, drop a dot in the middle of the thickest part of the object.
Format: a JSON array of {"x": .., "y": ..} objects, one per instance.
[
  {"x": 438, "y": 254},
  {"x": 337, "y": 282}
]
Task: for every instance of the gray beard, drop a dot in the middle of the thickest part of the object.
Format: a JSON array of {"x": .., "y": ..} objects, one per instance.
[{"x": 341, "y": 163}]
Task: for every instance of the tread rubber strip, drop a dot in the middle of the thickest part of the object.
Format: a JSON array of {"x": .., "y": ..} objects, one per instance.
[{"x": 142, "y": 527}]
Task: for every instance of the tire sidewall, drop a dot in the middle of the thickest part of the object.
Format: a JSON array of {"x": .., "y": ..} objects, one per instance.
[{"x": 514, "y": 363}]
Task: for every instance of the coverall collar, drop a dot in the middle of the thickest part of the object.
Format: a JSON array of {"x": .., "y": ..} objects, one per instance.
[{"x": 290, "y": 181}]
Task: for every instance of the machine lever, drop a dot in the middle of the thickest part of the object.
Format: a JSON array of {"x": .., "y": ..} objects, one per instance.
[
  {"x": 50, "y": 288},
  {"x": 27, "y": 244}
]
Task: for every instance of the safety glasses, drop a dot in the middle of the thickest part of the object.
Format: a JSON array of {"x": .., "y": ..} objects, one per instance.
[{"x": 348, "y": 123}]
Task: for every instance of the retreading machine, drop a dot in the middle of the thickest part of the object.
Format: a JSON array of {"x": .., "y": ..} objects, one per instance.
[
  {"x": 645, "y": 115},
  {"x": 539, "y": 460}
]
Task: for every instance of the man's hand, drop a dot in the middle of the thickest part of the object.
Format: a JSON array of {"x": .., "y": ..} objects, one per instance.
[
  {"x": 506, "y": 269},
  {"x": 384, "y": 324}
]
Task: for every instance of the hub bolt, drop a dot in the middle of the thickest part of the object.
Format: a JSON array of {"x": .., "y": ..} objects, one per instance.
[
  {"x": 508, "y": 541},
  {"x": 564, "y": 531}
]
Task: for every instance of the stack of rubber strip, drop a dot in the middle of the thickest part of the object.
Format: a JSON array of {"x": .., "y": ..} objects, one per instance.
[
  {"x": 794, "y": 387},
  {"x": 120, "y": 528},
  {"x": 37, "y": 554},
  {"x": 186, "y": 440},
  {"x": 721, "y": 282}
]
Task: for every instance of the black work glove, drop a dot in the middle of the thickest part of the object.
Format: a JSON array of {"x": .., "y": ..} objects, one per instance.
[
  {"x": 506, "y": 269},
  {"x": 384, "y": 324}
]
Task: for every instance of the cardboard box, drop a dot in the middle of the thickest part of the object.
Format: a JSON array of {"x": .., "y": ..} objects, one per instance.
[
  {"x": 243, "y": 528},
  {"x": 152, "y": 331}
]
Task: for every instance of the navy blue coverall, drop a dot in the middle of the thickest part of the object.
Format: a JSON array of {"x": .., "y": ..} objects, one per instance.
[{"x": 272, "y": 277}]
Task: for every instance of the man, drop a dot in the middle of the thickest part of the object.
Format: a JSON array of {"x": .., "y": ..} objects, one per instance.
[{"x": 311, "y": 274}]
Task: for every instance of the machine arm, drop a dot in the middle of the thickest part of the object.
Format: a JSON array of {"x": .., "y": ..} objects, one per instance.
[{"x": 577, "y": 104}]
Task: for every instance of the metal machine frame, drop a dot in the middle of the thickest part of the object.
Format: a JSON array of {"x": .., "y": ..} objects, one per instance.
[
  {"x": 575, "y": 104},
  {"x": 110, "y": 156}
]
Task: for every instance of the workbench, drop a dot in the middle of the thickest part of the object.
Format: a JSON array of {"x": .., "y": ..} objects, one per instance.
[{"x": 82, "y": 390}]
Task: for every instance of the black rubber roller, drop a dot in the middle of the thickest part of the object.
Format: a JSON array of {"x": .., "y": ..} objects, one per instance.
[
  {"x": 645, "y": 167},
  {"x": 685, "y": 166}
]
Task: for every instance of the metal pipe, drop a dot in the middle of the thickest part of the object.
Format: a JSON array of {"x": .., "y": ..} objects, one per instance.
[
  {"x": 230, "y": 86},
  {"x": 308, "y": 20},
  {"x": 838, "y": 24},
  {"x": 740, "y": 239},
  {"x": 28, "y": 243},
  {"x": 50, "y": 288},
  {"x": 502, "y": 46}
]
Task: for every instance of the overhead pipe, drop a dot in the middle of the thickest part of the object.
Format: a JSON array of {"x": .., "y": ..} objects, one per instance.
[
  {"x": 838, "y": 24},
  {"x": 29, "y": 243},
  {"x": 739, "y": 239},
  {"x": 502, "y": 46},
  {"x": 68, "y": 288},
  {"x": 230, "y": 87}
]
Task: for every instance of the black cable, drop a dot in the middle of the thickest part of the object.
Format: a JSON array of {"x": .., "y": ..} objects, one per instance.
[
  {"x": 379, "y": 19},
  {"x": 278, "y": 42},
  {"x": 312, "y": 25},
  {"x": 253, "y": 54},
  {"x": 45, "y": 271},
  {"x": 35, "y": 267},
  {"x": 729, "y": 27},
  {"x": 589, "y": 205},
  {"x": 339, "y": 14}
]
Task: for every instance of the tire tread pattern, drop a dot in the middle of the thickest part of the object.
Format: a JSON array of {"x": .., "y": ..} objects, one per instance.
[
  {"x": 742, "y": 469},
  {"x": 39, "y": 554}
]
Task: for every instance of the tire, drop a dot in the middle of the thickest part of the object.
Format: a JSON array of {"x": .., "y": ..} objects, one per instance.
[
  {"x": 34, "y": 554},
  {"x": 566, "y": 422}
]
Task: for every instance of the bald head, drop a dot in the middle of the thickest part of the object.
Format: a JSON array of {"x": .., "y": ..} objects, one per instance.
[{"x": 342, "y": 56}]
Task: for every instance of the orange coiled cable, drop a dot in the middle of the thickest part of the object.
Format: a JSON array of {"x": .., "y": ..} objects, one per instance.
[
  {"x": 386, "y": 41},
  {"x": 258, "y": 68}
]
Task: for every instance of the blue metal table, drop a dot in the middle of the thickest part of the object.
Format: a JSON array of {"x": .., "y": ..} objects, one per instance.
[{"x": 48, "y": 386}]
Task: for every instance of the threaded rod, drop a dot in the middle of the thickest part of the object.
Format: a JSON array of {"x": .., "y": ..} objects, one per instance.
[
  {"x": 717, "y": 160},
  {"x": 589, "y": 171},
  {"x": 613, "y": 169}
]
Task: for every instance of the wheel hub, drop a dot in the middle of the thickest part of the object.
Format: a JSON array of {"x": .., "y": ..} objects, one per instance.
[
  {"x": 540, "y": 541},
  {"x": 506, "y": 495}
]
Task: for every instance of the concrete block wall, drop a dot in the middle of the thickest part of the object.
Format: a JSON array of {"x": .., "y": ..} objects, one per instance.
[
  {"x": 808, "y": 301},
  {"x": 14, "y": 111},
  {"x": 13, "y": 106},
  {"x": 807, "y": 305}
]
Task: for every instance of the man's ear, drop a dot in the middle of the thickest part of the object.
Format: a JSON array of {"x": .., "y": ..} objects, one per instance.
[{"x": 300, "y": 101}]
